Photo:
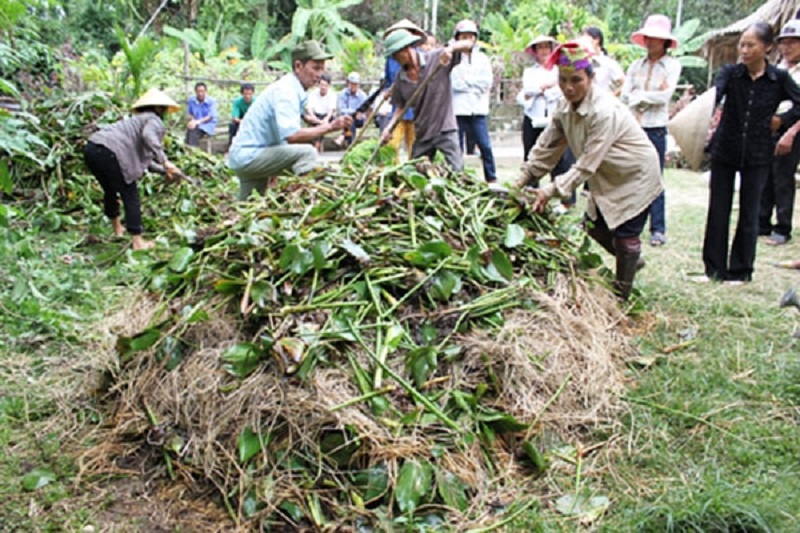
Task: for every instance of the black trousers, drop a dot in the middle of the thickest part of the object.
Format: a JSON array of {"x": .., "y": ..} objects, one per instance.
[
  {"x": 739, "y": 266},
  {"x": 778, "y": 194},
  {"x": 529, "y": 137},
  {"x": 194, "y": 136},
  {"x": 104, "y": 166}
]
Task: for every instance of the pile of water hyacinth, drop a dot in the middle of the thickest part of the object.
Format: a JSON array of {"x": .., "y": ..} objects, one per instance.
[{"x": 366, "y": 348}]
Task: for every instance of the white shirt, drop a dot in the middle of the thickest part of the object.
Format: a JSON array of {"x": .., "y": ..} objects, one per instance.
[
  {"x": 472, "y": 79},
  {"x": 321, "y": 105},
  {"x": 794, "y": 72},
  {"x": 607, "y": 72},
  {"x": 539, "y": 108},
  {"x": 648, "y": 89}
]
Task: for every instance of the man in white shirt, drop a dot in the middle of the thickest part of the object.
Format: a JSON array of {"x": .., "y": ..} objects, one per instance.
[
  {"x": 472, "y": 79},
  {"x": 321, "y": 106}
]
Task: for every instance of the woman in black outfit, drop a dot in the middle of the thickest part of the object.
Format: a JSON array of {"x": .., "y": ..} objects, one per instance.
[{"x": 752, "y": 90}]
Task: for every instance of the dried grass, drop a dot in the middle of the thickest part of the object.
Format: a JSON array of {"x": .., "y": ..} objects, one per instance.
[{"x": 572, "y": 342}]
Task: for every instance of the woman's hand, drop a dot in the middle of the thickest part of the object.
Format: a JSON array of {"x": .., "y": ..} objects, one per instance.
[{"x": 785, "y": 143}]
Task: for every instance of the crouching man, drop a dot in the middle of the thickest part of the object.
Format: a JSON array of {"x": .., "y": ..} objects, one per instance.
[
  {"x": 271, "y": 139},
  {"x": 613, "y": 154}
]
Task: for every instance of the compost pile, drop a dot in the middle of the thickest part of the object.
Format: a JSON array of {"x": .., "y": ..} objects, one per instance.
[
  {"x": 374, "y": 347},
  {"x": 367, "y": 348}
]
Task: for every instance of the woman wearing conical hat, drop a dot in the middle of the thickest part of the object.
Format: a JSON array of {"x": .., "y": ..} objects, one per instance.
[{"x": 119, "y": 155}]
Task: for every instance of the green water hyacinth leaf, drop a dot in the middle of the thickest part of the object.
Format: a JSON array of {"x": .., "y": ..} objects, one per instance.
[
  {"x": 372, "y": 483},
  {"x": 296, "y": 259},
  {"x": 429, "y": 253},
  {"x": 503, "y": 264},
  {"x": 180, "y": 259},
  {"x": 250, "y": 444},
  {"x": 452, "y": 490},
  {"x": 37, "y": 478},
  {"x": 240, "y": 359},
  {"x": 445, "y": 284},
  {"x": 6, "y": 185},
  {"x": 515, "y": 235},
  {"x": 499, "y": 421},
  {"x": 535, "y": 457},
  {"x": 422, "y": 363},
  {"x": 413, "y": 483}
]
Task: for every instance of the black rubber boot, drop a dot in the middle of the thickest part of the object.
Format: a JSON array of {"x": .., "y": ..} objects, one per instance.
[
  {"x": 606, "y": 240},
  {"x": 628, "y": 253}
]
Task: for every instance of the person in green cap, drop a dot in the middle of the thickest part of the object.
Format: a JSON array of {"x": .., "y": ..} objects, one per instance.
[
  {"x": 613, "y": 154},
  {"x": 434, "y": 120},
  {"x": 271, "y": 138}
]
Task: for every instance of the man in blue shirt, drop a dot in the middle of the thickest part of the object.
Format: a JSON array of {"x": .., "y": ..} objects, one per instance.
[
  {"x": 349, "y": 101},
  {"x": 202, "y": 111},
  {"x": 271, "y": 138}
]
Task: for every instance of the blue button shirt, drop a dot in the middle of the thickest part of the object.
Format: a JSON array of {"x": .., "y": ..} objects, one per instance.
[
  {"x": 390, "y": 73},
  {"x": 274, "y": 116},
  {"x": 198, "y": 110},
  {"x": 349, "y": 102}
]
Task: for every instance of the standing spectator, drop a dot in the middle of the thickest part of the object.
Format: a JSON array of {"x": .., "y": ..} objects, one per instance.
[
  {"x": 271, "y": 139},
  {"x": 240, "y": 107},
  {"x": 119, "y": 155},
  {"x": 430, "y": 42},
  {"x": 743, "y": 143},
  {"x": 321, "y": 106},
  {"x": 472, "y": 79},
  {"x": 608, "y": 74},
  {"x": 350, "y": 100},
  {"x": 647, "y": 91},
  {"x": 202, "y": 119},
  {"x": 778, "y": 192},
  {"x": 614, "y": 155},
  {"x": 434, "y": 120},
  {"x": 403, "y": 133},
  {"x": 539, "y": 96}
]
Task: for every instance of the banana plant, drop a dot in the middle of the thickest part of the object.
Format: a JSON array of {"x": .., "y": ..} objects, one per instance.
[
  {"x": 322, "y": 21},
  {"x": 689, "y": 43},
  {"x": 138, "y": 56}
]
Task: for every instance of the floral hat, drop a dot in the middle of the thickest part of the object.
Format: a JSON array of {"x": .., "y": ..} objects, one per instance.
[{"x": 571, "y": 54}]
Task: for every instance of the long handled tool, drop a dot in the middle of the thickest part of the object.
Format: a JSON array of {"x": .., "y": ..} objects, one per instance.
[
  {"x": 411, "y": 101},
  {"x": 368, "y": 120},
  {"x": 365, "y": 105}
]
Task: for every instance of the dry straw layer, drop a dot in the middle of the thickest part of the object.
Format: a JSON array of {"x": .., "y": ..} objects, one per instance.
[{"x": 558, "y": 366}]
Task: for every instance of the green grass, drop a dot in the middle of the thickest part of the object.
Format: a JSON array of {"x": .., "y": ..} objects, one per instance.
[
  {"x": 710, "y": 442},
  {"x": 712, "y": 439}
]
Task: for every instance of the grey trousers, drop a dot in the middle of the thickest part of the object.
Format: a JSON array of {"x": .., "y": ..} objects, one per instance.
[
  {"x": 445, "y": 142},
  {"x": 271, "y": 161}
]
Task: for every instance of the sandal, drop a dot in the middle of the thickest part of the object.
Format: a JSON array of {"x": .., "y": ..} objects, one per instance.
[
  {"x": 658, "y": 239},
  {"x": 776, "y": 239}
]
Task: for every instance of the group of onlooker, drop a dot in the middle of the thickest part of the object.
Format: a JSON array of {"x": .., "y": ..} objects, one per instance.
[
  {"x": 585, "y": 122},
  {"x": 323, "y": 104}
]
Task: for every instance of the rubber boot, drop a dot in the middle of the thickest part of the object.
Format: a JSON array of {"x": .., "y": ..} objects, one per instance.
[
  {"x": 628, "y": 252},
  {"x": 606, "y": 240}
]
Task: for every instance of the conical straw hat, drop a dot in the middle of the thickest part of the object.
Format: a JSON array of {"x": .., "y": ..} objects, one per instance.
[
  {"x": 690, "y": 126},
  {"x": 154, "y": 97}
]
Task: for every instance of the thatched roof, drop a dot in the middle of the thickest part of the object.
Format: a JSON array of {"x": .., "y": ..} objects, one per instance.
[{"x": 720, "y": 46}]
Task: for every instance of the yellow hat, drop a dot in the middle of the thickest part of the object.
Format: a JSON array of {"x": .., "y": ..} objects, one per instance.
[{"x": 155, "y": 97}]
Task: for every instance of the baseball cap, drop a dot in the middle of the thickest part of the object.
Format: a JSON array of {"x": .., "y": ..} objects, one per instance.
[{"x": 309, "y": 51}]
